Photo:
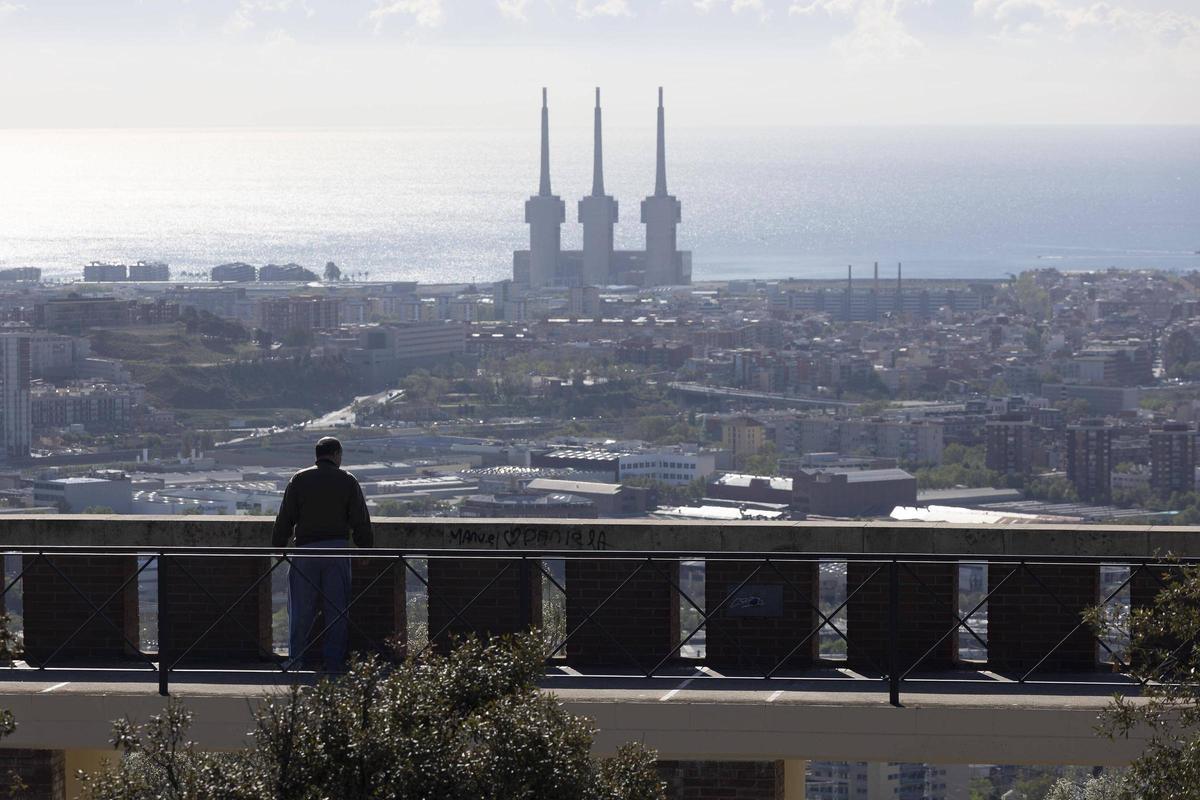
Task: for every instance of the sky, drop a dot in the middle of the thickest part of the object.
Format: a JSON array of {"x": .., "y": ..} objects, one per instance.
[{"x": 454, "y": 63}]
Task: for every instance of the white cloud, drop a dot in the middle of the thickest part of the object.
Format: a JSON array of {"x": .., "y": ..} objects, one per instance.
[
  {"x": 829, "y": 7},
  {"x": 514, "y": 9},
  {"x": 7, "y": 9},
  {"x": 278, "y": 39},
  {"x": 246, "y": 15},
  {"x": 736, "y": 6},
  {"x": 1024, "y": 19},
  {"x": 425, "y": 13},
  {"x": 603, "y": 8},
  {"x": 877, "y": 33}
]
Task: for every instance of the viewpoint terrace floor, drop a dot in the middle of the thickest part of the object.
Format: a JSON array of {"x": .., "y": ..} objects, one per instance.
[{"x": 961, "y": 717}]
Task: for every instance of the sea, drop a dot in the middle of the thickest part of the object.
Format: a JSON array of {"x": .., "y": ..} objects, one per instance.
[{"x": 446, "y": 205}]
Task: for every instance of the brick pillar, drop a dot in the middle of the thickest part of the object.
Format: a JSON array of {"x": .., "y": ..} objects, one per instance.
[
  {"x": 53, "y": 610},
  {"x": 1025, "y": 622},
  {"x": 768, "y": 617},
  {"x": 722, "y": 780},
  {"x": 40, "y": 772},
  {"x": 241, "y": 636},
  {"x": 455, "y": 582},
  {"x": 928, "y": 602},
  {"x": 379, "y": 622},
  {"x": 643, "y": 615}
]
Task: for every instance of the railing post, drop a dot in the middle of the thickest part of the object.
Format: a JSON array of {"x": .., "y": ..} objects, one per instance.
[
  {"x": 525, "y": 604},
  {"x": 163, "y": 628},
  {"x": 893, "y": 632}
]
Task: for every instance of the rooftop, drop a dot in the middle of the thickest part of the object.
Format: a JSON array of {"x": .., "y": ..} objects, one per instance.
[
  {"x": 737, "y": 479},
  {"x": 579, "y": 487}
]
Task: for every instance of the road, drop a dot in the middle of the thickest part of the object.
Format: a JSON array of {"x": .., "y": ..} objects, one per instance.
[
  {"x": 345, "y": 416},
  {"x": 747, "y": 394}
]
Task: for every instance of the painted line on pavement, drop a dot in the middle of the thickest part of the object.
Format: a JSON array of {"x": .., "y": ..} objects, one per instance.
[{"x": 676, "y": 690}]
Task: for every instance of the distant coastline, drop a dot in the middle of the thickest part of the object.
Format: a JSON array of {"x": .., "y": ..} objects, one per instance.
[{"x": 446, "y": 205}]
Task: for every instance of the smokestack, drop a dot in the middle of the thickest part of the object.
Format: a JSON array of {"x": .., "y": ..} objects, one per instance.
[
  {"x": 660, "y": 173},
  {"x": 544, "y": 185},
  {"x": 597, "y": 155},
  {"x": 849, "y": 289},
  {"x": 875, "y": 294},
  {"x": 899, "y": 288}
]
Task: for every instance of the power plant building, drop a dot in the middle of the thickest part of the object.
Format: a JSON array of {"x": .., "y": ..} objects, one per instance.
[{"x": 546, "y": 264}]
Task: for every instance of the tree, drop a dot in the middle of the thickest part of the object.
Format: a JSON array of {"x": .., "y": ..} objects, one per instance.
[
  {"x": 298, "y": 337},
  {"x": 332, "y": 272},
  {"x": 1030, "y": 298},
  {"x": 1099, "y": 787},
  {"x": 416, "y": 506},
  {"x": 1034, "y": 342},
  {"x": 1052, "y": 489},
  {"x": 1164, "y": 652},
  {"x": 472, "y": 724},
  {"x": 961, "y": 466},
  {"x": 764, "y": 462}
]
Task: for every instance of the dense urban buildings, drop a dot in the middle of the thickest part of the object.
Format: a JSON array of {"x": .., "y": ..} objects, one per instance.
[
  {"x": 1047, "y": 391},
  {"x": 980, "y": 402}
]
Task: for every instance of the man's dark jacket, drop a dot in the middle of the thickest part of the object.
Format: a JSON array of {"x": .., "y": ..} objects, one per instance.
[{"x": 322, "y": 502}]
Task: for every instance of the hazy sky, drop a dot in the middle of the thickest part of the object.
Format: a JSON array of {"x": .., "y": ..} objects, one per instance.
[{"x": 727, "y": 62}]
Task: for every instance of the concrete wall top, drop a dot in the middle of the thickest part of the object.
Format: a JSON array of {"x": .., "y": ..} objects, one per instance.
[{"x": 591, "y": 535}]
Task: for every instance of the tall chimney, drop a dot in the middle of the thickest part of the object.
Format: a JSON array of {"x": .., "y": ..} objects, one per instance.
[
  {"x": 598, "y": 213},
  {"x": 849, "y": 290},
  {"x": 660, "y": 214},
  {"x": 875, "y": 294},
  {"x": 597, "y": 154},
  {"x": 660, "y": 172},
  {"x": 544, "y": 213},
  {"x": 544, "y": 184}
]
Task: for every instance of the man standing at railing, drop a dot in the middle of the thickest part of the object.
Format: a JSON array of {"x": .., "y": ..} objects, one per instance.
[{"x": 321, "y": 506}]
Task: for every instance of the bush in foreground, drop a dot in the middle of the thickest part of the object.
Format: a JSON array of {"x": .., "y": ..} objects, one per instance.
[{"x": 472, "y": 724}]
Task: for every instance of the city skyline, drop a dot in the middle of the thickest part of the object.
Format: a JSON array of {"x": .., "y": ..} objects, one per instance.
[{"x": 762, "y": 62}]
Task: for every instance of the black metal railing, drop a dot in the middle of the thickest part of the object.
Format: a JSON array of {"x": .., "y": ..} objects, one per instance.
[{"x": 797, "y": 617}]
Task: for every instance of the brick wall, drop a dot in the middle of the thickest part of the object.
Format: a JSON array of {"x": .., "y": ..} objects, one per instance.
[
  {"x": 768, "y": 617},
  {"x": 379, "y": 614},
  {"x": 244, "y": 634},
  {"x": 722, "y": 780},
  {"x": 1025, "y": 622},
  {"x": 643, "y": 614},
  {"x": 41, "y": 771},
  {"x": 462, "y": 585},
  {"x": 928, "y": 601},
  {"x": 53, "y": 610}
]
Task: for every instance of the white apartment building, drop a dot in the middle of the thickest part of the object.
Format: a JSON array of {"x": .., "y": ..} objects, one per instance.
[{"x": 669, "y": 467}]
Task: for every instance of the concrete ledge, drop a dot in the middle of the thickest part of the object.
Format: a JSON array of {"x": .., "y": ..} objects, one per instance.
[{"x": 588, "y": 535}]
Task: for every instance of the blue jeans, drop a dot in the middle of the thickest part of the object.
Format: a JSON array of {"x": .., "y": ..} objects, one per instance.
[{"x": 331, "y": 576}]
